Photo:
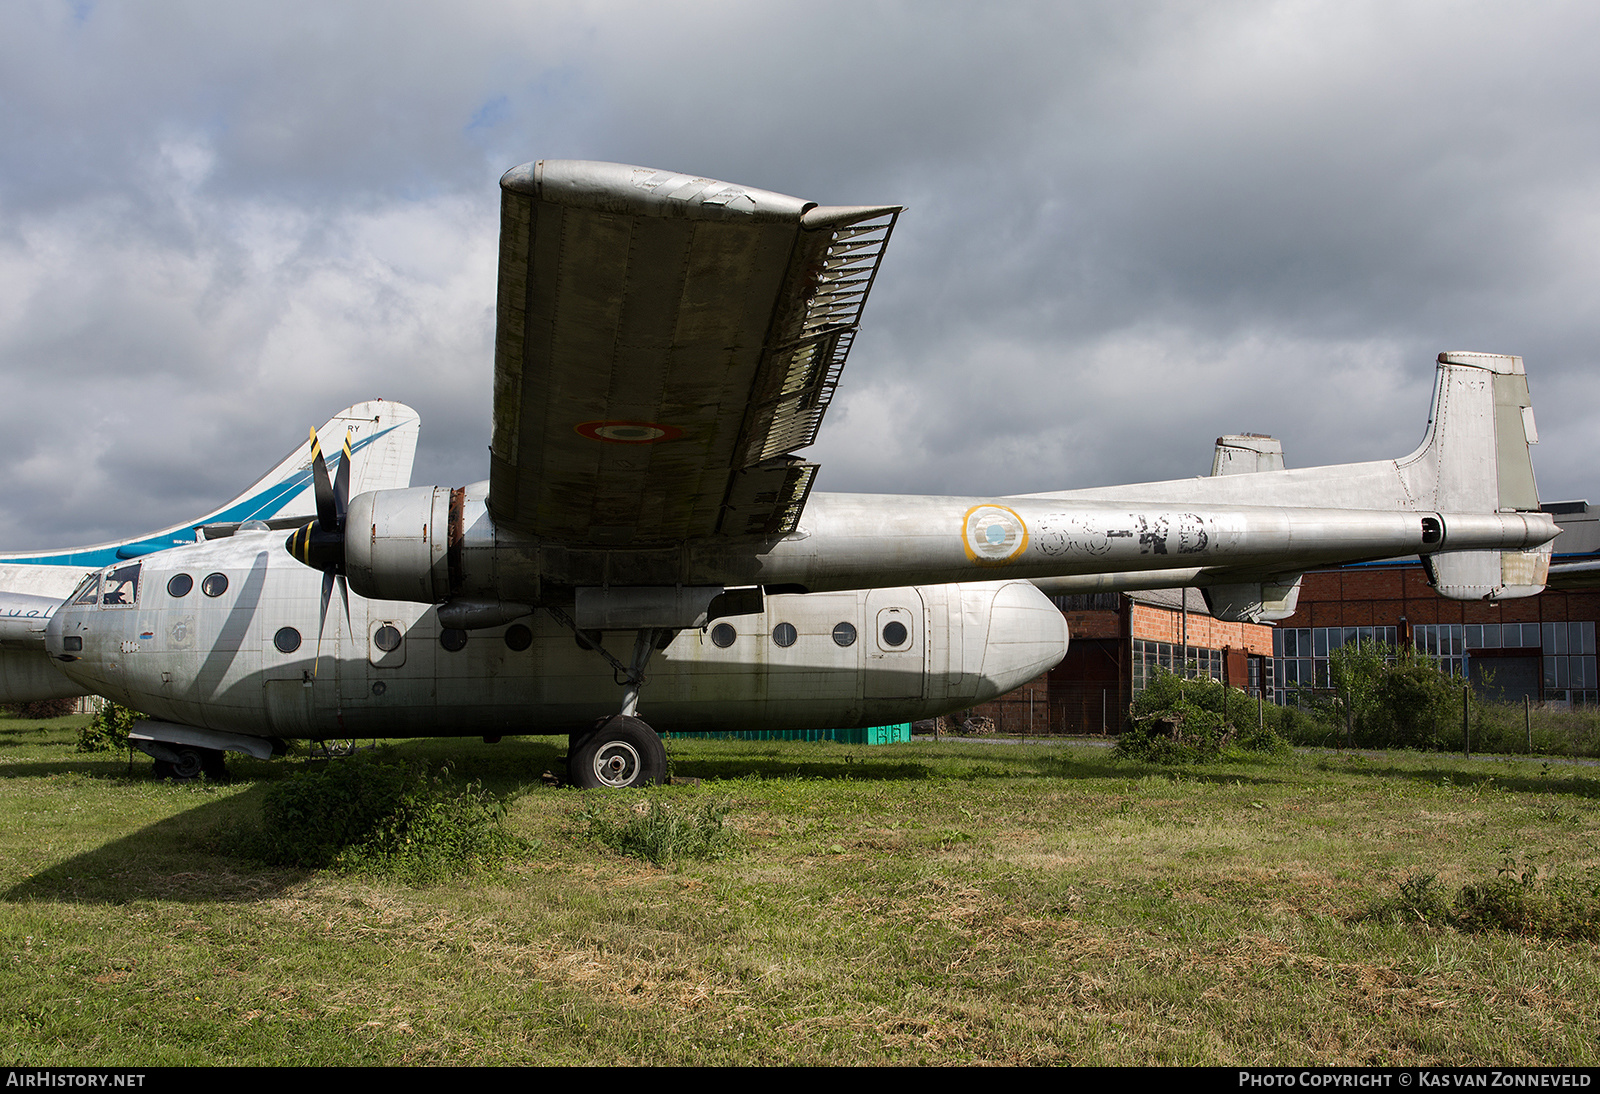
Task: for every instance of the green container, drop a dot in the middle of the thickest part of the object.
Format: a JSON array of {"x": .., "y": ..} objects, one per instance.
[{"x": 870, "y": 735}]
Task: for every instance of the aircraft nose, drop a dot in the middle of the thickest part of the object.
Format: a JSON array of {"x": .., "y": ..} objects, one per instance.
[
  {"x": 55, "y": 638},
  {"x": 1027, "y": 637}
]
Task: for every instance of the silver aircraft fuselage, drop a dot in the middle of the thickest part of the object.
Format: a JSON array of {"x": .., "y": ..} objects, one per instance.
[{"x": 246, "y": 660}]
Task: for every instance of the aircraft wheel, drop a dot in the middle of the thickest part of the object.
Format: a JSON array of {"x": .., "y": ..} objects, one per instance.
[
  {"x": 191, "y": 764},
  {"x": 188, "y": 765},
  {"x": 214, "y": 762},
  {"x": 621, "y": 752}
]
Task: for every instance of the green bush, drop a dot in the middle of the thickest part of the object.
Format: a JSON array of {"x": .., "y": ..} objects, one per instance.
[
  {"x": 107, "y": 731},
  {"x": 1174, "y": 720},
  {"x": 42, "y": 708},
  {"x": 365, "y": 815},
  {"x": 1380, "y": 697},
  {"x": 661, "y": 834}
]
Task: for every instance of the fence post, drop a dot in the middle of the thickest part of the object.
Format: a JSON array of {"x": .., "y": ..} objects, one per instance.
[{"x": 1466, "y": 742}]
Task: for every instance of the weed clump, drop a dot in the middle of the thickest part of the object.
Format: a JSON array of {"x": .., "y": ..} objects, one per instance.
[
  {"x": 395, "y": 820},
  {"x": 661, "y": 834},
  {"x": 1177, "y": 720},
  {"x": 1517, "y": 900},
  {"x": 107, "y": 731}
]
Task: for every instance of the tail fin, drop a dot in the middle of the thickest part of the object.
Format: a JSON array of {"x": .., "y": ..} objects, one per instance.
[
  {"x": 1475, "y": 459},
  {"x": 1246, "y": 454},
  {"x": 383, "y": 444}
]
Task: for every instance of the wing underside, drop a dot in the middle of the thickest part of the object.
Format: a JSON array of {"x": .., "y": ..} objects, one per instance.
[{"x": 663, "y": 345}]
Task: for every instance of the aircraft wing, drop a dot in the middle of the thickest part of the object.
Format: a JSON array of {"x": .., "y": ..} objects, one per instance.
[{"x": 663, "y": 345}]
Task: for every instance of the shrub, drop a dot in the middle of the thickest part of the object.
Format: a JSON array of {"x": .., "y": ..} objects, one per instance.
[
  {"x": 1414, "y": 706},
  {"x": 42, "y": 708},
  {"x": 661, "y": 834},
  {"x": 107, "y": 731},
  {"x": 365, "y": 815},
  {"x": 1175, "y": 720}
]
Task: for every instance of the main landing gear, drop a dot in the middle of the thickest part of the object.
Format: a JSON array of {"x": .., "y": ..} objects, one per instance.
[
  {"x": 621, "y": 751},
  {"x": 189, "y": 763}
]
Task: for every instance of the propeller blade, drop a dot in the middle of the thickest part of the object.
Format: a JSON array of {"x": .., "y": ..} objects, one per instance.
[
  {"x": 344, "y": 592},
  {"x": 322, "y": 618},
  {"x": 327, "y": 508},
  {"x": 341, "y": 482}
]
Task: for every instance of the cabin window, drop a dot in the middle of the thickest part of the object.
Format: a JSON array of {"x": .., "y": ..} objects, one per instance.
[
  {"x": 90, "y": 591},
  {"x": 845, "y": 634},
  {"x": 180, "y": 585},
  {"x": 387, "y": 638},
  {"x": 722, "y": 635},
  {"x": 121, "y": 588},
  {"x": 287, "y": 640},
  {"x": 214, "y": 584},
  {"x": 453, "y": 639},
  {"x": 784, "y": 635},
  {"x": 518, "y": 637},
  {"x": 894, "y": 634}
]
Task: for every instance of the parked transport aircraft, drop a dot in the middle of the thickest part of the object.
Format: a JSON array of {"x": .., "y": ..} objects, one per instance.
[
  {"x": 32, "y": 584},
  {"x": 647, "y": 541}
]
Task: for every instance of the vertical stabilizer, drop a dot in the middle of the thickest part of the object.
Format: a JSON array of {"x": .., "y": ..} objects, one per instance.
[
  {"x": 1246, "y": 454},
  {"x": 1475, "y": 459}
]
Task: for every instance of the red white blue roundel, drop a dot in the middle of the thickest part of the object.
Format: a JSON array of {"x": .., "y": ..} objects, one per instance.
[
  {"x": 629, "y": 432},
  {"x": 993, "y": 535}
]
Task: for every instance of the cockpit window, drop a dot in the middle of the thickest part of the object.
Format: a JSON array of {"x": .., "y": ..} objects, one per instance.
[
  {"x": 89, "y": 591},
  {"x": 122, "y": 586}
]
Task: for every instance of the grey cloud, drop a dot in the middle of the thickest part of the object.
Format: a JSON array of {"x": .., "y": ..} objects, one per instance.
[{"x": 1131, "y": 227}]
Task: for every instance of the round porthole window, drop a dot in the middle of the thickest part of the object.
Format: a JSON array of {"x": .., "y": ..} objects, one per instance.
[
  {"x": 453, "y": 640},
  {"x": 722, "y": 635},
  {"x": 287, "y": 640},
  {"x": 783, "y": 635},
  {"x": 180, "y": 585},
  {"x": 214, "y": 584},
  {"x": 894, "y": 634},
  {"x": 845, "y": 634},
  {"x": 386, "y": 638},
  {"x": 518, "y": 637}
]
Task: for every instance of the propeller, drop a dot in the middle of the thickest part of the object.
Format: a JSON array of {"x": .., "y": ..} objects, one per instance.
[{"x": 320, "y": 543}]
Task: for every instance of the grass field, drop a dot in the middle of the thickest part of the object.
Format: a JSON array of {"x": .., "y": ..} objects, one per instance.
[{"x": 959, "y": 902}]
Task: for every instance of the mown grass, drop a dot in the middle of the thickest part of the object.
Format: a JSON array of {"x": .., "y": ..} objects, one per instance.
[{"x": 960, "y": 902}]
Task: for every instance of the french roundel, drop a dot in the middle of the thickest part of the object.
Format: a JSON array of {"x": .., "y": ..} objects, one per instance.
[
  {"x": 993, "y": 535},
  {"x": 629, "y": 432}
]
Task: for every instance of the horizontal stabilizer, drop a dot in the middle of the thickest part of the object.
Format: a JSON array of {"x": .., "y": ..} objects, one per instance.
[{"x": 1255, "y": 601}]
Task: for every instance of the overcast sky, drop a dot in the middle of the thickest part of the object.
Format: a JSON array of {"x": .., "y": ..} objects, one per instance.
[{"x": 1130, "y": 227}]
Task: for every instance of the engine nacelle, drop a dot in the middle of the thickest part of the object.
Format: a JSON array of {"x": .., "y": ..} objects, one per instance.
[{"x": 397, "y": 544}]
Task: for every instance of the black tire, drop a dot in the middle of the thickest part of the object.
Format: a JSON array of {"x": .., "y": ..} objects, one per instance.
[
  {"x": 214, "y": 762},
  {"x": 192, "y": 762},
  {"x": 620, "y": 753},
  {"x": 190, "y": 765}
]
